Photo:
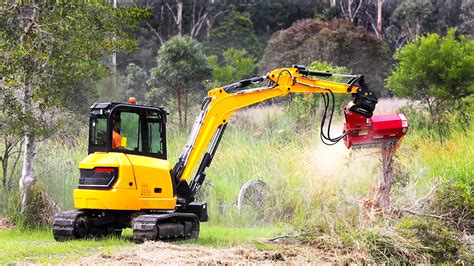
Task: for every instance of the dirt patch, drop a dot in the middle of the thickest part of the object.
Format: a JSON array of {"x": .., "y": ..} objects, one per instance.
[
  {"x": 4, "y": 224},
  {"x": 166, "y": 253}
]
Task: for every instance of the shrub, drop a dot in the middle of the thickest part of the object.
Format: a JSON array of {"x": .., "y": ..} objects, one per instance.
[
  {"x": 40, "y": 211},
  {"x": 337, "y": 41},
  {"x": 435, "y": 238},
  {"x": 454, "y": 200}
]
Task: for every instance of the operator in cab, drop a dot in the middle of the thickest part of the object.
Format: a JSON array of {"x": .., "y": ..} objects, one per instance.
[{"x": 116, "y": 137}]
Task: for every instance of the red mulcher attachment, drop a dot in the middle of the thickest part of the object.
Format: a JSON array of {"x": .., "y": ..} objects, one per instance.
[{"x": 377, "y": 130}]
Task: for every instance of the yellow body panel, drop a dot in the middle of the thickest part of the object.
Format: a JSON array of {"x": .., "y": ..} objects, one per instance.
[
  {"x": 135, "y": 186},
  {"x": 119, "y": 199}
]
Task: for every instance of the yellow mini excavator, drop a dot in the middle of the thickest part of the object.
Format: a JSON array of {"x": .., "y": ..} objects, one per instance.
[{"x": 126, "y": 180}]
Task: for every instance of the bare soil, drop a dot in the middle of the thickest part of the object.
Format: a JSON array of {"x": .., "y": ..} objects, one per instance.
[{"x": 168, "y": 253}]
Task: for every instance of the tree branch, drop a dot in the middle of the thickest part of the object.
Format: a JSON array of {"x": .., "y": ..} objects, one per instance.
[
  {"x": 155, "y": 32},
  {"x": 172, "y": 12}
]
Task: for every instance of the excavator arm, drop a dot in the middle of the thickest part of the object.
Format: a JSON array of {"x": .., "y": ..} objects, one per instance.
[{"x": 222, "y": 102}]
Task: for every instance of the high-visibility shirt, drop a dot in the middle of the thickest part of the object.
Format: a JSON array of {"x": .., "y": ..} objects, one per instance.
[{"x": 116, "y": 140}]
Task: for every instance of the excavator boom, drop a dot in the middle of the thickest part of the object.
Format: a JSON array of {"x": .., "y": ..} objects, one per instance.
[{"x": 222, "y": 102}]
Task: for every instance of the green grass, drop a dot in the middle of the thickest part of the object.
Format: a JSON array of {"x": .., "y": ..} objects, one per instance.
[
  {"x": 220, "y": 236},
  {"x": 38, "y": 246}
]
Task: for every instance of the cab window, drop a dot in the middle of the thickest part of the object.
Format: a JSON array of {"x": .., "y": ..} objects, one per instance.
[
  {"x": 140, "y": 131},
  {"x": 98, "y": 132},
  {"x": 155, "y": 133},
  {"x": 130, "y": 131}
]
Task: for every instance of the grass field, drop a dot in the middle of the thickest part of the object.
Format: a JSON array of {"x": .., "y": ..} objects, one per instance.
[{"x": 38, "y": 246}]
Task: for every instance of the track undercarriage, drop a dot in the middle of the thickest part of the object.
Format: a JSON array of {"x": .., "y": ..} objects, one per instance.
[{"x": 79, "y": 224}]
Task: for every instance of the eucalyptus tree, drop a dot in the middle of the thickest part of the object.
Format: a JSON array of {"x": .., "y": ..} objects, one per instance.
[{"x": 50, "y": 51}]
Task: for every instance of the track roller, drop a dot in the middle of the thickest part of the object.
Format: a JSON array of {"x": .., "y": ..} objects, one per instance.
[
  {"x": 165, "y": 227},
  {"x": 79, "y": 224}
]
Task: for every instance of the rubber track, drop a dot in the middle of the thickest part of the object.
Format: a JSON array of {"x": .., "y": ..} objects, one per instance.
[
  {"x": 64, "y": 225},
  {"x": 144, "y": 226}
]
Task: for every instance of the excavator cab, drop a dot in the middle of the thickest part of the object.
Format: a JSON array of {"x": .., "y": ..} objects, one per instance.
[{"x": 141, "y": 131}]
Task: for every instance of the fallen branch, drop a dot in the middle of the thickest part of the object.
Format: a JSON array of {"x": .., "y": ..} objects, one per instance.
[
  {"x": 284, "y": 236},
  {"x": 442, "y": 217}
]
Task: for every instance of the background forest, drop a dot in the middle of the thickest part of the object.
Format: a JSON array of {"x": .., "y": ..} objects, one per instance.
[{"x": 56, "y": 60}]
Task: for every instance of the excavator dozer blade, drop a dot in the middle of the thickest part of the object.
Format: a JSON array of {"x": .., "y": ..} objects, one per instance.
[{"x": 376, "y": 131}]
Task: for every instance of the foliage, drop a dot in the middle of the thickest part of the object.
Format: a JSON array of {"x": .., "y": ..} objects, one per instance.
[
  {"x": 44, "y": 63},
  {"x": 337, "y": 42},
  {"x": 268, "y": 17},
  {"x": 438, "y": 72},
  {"x": 454, "y": 200},
  {"x": 236, "y": 64},
  {"x": 135, "y": 82},
  {"x": 236, "y": 31},
  {"x": 434, "y": 238},
  {"x": 181, "y": 69},
  {"x": 467, "y": 18},
  {"x": 54, "y": 56},
  {"x": 409, "y": 20},
  {"x": 414, "y": 18}
]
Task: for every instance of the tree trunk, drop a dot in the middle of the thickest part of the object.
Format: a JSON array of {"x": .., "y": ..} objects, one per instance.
[
  {"x": 178, "y": 98},
  {"x": 13, "y": 168},
  {"x": 179, "y": 16},
  {"x": 385, "y": 184},
  {"x": 379, "y": 19},
  {"x": 27, "y": 179},
  {"x": 4, "y": 160},
  {"x": 185, "y": 109},
  {"x": 193, "y": 17}
]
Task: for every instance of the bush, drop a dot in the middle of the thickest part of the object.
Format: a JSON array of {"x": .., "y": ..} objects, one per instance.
[
  {"x": 438, "y": 73},
  {"x": 434, "y": 237},
  {"x": 337, "y": 41},
  {"x": 40, "y": 212},
  {"x": 454, "y": 200}
]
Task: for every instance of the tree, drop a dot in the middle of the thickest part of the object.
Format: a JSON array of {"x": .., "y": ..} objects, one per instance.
[
  {"x": 270, "y": 16},
  {"x": 409, "y": 20},
  {"x": 181, "y": 69},
  {"x": 413, "y": 18},
  {"x": 350, "y": 8},
  {"x": 467, "y": 17},
  {"x": 438, "y": 72},
  {"x": 135, "y": 82},
  {"x": 237, "y": 64},
  {"x": 48, "y": 49},
  {"x": 236, "y": 31},
  {"x": 337, "y": 42},
  {"x": 10, "y": 133}
]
